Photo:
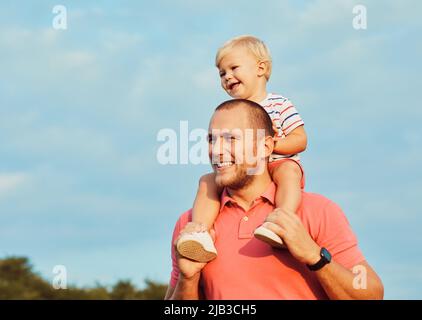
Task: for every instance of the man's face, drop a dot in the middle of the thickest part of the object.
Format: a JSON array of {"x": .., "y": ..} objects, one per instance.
[
  {"x": 231, "y": 145},
  {"x": 238, "y": 71}
]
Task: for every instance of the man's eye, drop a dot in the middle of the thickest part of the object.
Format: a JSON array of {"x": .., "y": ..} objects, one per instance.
[{"x": 230, "y": 138}]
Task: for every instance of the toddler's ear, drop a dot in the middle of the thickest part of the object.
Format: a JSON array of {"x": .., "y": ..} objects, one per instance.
[{"x": 262, "y": 68}]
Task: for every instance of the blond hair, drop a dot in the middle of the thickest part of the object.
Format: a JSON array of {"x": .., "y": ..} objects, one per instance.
[{"x": 254, "y": 45}]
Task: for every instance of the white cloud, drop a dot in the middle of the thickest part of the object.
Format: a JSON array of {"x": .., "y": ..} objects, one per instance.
[
  {"x": 40, "y": 61},
  {"x": 116, "y": 42},
  {"x": 77, "y": 14},
  {"x": 323, "y": 14},
  {"x": 64, "y": 141},
  {"x": 10, "y": 182},
  {"x": 206, "y": 79},
  {"x": 75, "y": 59},
  {"x": 19, "y": 38}
]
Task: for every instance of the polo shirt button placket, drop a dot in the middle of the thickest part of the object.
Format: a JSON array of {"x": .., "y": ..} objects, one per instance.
[{"x": 245, "y": 231}]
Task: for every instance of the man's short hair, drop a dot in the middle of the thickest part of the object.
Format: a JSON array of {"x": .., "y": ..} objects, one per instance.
[
  {"x": 257, "y": 116},
  {"x": 254, "y": 45}
]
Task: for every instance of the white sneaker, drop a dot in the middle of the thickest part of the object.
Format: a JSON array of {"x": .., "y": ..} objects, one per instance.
[
  {"x": 197, "y": 246},
  {"x": 264, "y": 234}
]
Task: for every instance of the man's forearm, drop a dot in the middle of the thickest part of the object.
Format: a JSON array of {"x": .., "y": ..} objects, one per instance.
[
  {"x": 186, "y": 289},
  {"x": 338, "y": 283}
]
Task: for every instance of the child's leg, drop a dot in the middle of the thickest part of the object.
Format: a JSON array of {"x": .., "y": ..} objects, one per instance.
[
  {"x": 287, "y": 176},
  {"x": 199, "y": 246},
  {"x": 207, "y": 201}
]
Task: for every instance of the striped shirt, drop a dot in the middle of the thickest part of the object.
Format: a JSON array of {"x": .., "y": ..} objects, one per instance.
[{"x": 286, "y": 118}]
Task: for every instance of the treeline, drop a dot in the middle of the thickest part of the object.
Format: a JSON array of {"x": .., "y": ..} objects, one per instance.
[{"x": 19, "y": 281}]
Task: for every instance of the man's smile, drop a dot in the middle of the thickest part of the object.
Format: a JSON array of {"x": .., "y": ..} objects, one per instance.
[{"x": 223, "y": 165}]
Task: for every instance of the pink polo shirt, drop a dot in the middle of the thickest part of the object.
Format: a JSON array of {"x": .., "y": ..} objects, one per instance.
[{"x": 247, "y": 268}]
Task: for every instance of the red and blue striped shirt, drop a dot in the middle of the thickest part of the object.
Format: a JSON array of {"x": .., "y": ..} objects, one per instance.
[{"x": 285, "y": 117}]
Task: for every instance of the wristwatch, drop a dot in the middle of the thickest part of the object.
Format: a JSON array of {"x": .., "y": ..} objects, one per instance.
[{"x": 325, "y": 259}]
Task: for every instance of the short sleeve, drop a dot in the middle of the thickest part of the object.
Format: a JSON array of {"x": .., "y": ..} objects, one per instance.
[
  {"x": 180, "y": 224},
  {"x": 335, "y": 234},
  {"x": 290, "y": 118}
]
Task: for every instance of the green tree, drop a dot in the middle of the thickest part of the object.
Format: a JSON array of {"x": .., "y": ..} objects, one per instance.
[
  {"x": 19, "y": 281},
  {"x": 153, "y": 291},
  {"x": 124, "y": 290}
]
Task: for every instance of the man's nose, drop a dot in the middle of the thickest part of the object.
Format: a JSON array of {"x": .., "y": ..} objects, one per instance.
[
  {"x": 220, "y": 149},
  {"x": 217, "y": 147}
]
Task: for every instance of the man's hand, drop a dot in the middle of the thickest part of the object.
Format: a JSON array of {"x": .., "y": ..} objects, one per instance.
[
  {"x": 188, "y": 268},
  {"x": 289, "y": 227},
  {"x": 337, "y": 281}
]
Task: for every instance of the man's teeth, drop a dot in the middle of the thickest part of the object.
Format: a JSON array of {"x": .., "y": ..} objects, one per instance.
[{"x": 224, "y": 164}]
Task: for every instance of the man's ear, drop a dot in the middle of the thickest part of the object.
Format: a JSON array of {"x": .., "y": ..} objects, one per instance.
[
  {"x": 269, "y": 146},
  {"x": 262, "y": 68}
]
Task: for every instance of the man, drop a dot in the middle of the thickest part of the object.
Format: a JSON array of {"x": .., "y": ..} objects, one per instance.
[{"x": 321, "y": 252}]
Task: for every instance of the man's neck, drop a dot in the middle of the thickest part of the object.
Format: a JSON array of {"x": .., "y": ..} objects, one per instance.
[{"x": 246, "y": 196}]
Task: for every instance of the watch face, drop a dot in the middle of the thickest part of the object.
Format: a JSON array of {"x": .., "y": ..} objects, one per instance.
[
  {"x": 325, "y": 259},
  {"x": 326, "y": 254}
]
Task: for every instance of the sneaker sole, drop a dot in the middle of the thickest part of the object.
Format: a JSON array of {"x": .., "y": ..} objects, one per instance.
[
  {"x": 195, "y": 251},
  {"x": 269, "y": 237}
]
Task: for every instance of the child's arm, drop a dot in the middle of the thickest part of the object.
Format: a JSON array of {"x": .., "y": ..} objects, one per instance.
[
  {"x": 293, "y": 143},
  {"x": 207, "y": 202},
  {"x": 287, "y": 176}
]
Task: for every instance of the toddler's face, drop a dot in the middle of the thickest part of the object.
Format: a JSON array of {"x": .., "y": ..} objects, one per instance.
[{"x": 239, "y": 73}]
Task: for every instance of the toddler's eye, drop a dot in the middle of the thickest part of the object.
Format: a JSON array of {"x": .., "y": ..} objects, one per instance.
[{"x": 222, "y": 73}]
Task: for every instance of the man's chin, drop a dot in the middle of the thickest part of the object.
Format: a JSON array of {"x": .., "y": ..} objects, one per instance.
[
  {"x": 235, "y": 183},
  {"x": 220, "y": 182},
  {"x": 223, "y": 181}
]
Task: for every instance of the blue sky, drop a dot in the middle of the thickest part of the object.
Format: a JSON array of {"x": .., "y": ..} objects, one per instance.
[{"x": 80, "y": 110}]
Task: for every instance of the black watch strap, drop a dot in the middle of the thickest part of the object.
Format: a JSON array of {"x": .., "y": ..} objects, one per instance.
[{"x": 325, "y": 259}]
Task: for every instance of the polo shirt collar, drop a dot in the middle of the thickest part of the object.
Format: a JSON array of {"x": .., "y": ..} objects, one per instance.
[{"x": 269, "y": 194}]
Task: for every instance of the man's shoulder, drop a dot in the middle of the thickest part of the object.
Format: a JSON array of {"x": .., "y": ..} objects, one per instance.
[
  {"x": 184, "y": 218},
  {"x": 321, "y": 215},
  {"x": 314, "y": 203},
  {"x": 316, "y": 198}
]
